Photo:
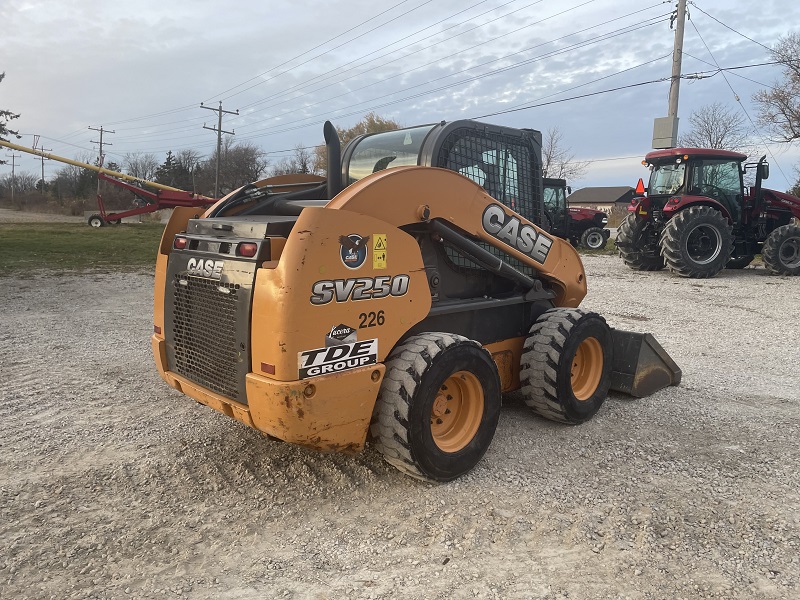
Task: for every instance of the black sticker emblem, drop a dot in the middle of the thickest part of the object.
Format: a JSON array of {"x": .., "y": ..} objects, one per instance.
[
  {"x": 341, "y": 334},
  {"x": 353, "y": 250}
]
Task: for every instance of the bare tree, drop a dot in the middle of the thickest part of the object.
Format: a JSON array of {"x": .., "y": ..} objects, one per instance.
[
  {"x": 779, "y": 106},
  {"x": 716, "y": 126},
  {"x": 142, "y": 165},
  {"x": 240, "y": 164},
  {"x": 5, "y": 117},
  {"x": 302, "y": 161},
  {"x": 558, "y": 161}
]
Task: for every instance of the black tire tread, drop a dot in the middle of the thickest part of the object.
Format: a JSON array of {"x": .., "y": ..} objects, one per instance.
[
  {"x": 671, "y": 244},
  {"x": 405, "y": 367},
  {"x": 630, "y": 233},
  {"x": 770, "y": 252},
  {"x": 540, "y": 357},
  {"x": 586, "y": 233}
]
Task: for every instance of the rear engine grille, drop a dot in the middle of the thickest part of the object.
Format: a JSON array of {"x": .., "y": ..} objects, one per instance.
[{"x": 204, "y": 330}]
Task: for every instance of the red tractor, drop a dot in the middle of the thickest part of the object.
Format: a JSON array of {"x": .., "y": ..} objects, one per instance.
[
  {"x": 698, "y": 218},
  {"x": 584, "y": 227}
]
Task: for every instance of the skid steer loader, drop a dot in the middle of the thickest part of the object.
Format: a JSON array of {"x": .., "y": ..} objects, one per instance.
[{"x": 395, "y": 302}]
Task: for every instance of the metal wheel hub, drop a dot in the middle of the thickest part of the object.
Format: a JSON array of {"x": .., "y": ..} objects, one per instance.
[
  {"x": 790, "y": 253},
  {"x": 594, "y": 240},
  {"x": 587, "y": 368},
  {"x": 457, "y": 411},
  {"x": 703, "y": 244}
]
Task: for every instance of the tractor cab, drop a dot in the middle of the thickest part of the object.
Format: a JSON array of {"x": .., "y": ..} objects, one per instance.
[{"x": 683, "y": 177}]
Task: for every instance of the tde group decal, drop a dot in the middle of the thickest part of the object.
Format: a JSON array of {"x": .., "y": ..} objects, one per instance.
[
  {"x": 353, "y": 250},
  {"x": 334, "y": 359}
]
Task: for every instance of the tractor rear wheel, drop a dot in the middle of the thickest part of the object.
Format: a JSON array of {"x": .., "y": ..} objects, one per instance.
[
  {"x": 593, "y": 238},
  {"x": 697, "y": 242},
  {"x": 565, "y": 369},
  {"x": 740, "y": 262},
  {"x": 781, "y": 251},
  {"x": 637, "y": 244},
  {"x": 438, "y": 406}
]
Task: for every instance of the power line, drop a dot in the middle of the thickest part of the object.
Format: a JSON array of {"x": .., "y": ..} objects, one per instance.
[
  {"x": 736, "y": 96},
  {"x": 731, "y": 28}
]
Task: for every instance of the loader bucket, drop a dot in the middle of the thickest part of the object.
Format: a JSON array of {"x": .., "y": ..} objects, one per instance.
[{"x": 640, "y": 365}]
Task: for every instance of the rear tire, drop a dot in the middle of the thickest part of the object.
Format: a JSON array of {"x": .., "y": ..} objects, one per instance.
[
  {"x": 566, "y": 365},
  {"x": 438, "y": 406},
  {"x": 697, "y": 242},
  {"x": 593, "y": 238},
  {"x": 96, "y": 221},
  {"x": 781, "y": 251},
  {"x": 637, "y": 245}
]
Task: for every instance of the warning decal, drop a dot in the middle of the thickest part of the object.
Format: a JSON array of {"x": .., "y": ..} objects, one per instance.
[{"x": 378, "y": 250}]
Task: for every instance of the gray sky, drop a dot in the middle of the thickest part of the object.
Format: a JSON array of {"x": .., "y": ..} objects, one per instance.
[{"x": 141, "y": 68}]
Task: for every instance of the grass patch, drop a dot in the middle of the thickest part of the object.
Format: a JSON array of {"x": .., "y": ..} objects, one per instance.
[{"x": 73, "y": 246}]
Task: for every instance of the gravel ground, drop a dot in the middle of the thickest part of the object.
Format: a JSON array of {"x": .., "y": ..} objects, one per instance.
[{"x": 112, "y": 485}]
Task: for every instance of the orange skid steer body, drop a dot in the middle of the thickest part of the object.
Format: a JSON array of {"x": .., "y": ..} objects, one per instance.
[{"x": 401, "y": 306}]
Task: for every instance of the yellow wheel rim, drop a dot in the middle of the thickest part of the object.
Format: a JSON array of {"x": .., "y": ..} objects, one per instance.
[
  {"x": 457, "y": 411},
  {"x": 587, "y": 368}
]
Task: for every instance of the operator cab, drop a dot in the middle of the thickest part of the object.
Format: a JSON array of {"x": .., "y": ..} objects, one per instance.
[{"x": 685, "y": 175}]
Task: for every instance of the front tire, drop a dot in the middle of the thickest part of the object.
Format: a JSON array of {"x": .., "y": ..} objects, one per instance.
[
  {"x": 697, "y": 242},
  {"x": 566, "y": 365},
  {"x": 593, "y": 238},
  {"x": 438, "y": 406},
  {"x": 637, "y": 244},
  {"x": 781, "y": 251}
]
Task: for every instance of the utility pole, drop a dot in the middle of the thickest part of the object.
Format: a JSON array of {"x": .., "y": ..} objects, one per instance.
[
  {"x": 101, "y": 130},
  {"x": 101, "y": 160},
  {"x": 665, "y": 129},
  {"x": 41, "y": 149},
  {"x": 219, "y": 131},
  {"x": 13, "y": 167}
]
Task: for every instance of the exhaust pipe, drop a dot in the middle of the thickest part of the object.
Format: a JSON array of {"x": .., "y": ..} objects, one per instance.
[{"x": 334, "y": 159}]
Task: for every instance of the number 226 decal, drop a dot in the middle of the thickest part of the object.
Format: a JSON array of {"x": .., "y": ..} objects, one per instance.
[{"x": 361, "y": 288}]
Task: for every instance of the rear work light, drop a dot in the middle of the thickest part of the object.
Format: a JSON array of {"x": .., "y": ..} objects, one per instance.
[
  {"x": 247, "y": 249},
  {"x": 180, "y": 243}
]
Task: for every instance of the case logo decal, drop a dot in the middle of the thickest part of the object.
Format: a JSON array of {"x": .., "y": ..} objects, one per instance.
[
  {"x": 511, "y": 231},
  {"x": 353, "y": 250},
  {"x": 205, "y": 268}
]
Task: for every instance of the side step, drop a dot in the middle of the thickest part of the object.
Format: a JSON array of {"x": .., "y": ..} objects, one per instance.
[{"x": 641, "y": 366}]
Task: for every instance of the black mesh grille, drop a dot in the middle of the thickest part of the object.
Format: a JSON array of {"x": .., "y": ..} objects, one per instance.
[
  {"x": 204, "y": 330},
  {"x": 460, "y": 262},
  {"x": 504, "y": 167}
]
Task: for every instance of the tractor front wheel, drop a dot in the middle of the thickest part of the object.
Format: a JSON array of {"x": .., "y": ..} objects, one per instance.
[
  {"x": 637, "y": 244},
  {"x": 697, "y": 242},
  {"x": 781, "y": 251},
  {"x": 593, "y": 238},
  {"x": 438, "y": 406},
  {"x": 565, "y": 369}
]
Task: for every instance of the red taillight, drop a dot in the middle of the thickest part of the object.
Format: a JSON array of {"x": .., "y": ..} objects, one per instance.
[
  {"x": 180, "y": 243},
  {"x": 268, "y": 368},
  {"x": 156, "y": 329},
  {"x": 247, "y": 249}
]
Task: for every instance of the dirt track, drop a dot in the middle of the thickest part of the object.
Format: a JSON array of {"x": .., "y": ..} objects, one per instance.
[{"x": 114, "y": 486}]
